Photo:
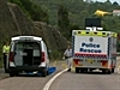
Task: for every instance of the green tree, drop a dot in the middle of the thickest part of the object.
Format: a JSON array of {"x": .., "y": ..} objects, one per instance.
[
  {"x": 63, "y": 20},
  {"x": 115, "y": 4}
]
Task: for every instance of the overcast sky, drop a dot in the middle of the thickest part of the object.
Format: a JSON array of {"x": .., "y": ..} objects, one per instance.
[{"x": 110, "y": 0}]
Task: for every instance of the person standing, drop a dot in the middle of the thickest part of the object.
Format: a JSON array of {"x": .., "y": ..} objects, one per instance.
[
  {"x": 6, "y": 48},
  {"x": 68, "y": 57}
]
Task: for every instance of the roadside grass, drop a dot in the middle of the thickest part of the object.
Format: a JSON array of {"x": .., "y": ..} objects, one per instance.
[{"x": 55, "y": 55}]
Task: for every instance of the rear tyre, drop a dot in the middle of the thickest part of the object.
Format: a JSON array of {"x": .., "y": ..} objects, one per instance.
[
  {"x": 44, "y": 73},
  {"x": 12, "y": 74},
  {"x": 107, "y": 71},
  {"x": 104, "y": 71},
  {"x": 76, "y": 70},
  {"x": 85, "y": 70},
  {"x": 17, "y": 74},
  {"x": 47, "y": 72},
  {"x": 90, "y": 70},
  {"x": 82, "y": 70},
  {"x": 113, "y": 70}
]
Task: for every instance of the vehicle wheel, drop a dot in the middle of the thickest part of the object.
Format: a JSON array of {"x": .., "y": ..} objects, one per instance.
[
  {"x": 109, "y": 71},
  {"x": 6, "y": 71},
  {"x": 104, "y": 71},
  {"x": 113, "y": 70},
  {"x": 82, "y": 70},
  {"x": 44, "y": 73},
  {"x": 85, "y": 70},
  {"x": 90, "y": 70},
  {"x": 17, "y": 74},
  {"x": 12, "y": 74},
  {"x": 47, "y": 72},
  {"x": 77, "y": 70}
]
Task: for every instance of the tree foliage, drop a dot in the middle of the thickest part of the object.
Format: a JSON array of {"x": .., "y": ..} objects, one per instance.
[
  {"x": 63, "y": 20},
  {"x": 78, "y": 10},
  {"x": 70, "y": 14}
]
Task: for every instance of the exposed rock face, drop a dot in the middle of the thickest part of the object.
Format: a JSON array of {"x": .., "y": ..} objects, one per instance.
[
  {"x": 13, "y": 22},
  {"x": 23, "y": 24},
  {"x": 7, "y": 25},
  {"x": 52, "y": 36}
]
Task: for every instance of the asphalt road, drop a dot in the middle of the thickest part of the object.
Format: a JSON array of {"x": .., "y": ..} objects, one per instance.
[
  {"x": 26, "y": 82},
  {"x": 66, "y": 81},
  {"x": 86, "y": 81}
]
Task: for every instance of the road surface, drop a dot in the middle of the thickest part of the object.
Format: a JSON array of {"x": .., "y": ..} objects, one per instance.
[
  {"x": 86, "y": 81},
  {"x": 27, "y": 82},
  {"x": 66, "y": 81}
]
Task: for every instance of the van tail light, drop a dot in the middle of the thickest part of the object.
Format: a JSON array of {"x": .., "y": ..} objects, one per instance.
[
  {"x": 11, "y": 57},
  {"x": 43, "y": 57}
]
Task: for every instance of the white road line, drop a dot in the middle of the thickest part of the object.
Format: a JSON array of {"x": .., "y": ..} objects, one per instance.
[{"x": 47, "y": 86}]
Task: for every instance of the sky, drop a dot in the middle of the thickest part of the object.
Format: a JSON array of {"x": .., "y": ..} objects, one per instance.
[{"x": 118, "y": 1}]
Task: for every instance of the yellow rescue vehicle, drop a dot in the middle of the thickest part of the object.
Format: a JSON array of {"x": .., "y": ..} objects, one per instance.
[{"x": 94, "y": 50}]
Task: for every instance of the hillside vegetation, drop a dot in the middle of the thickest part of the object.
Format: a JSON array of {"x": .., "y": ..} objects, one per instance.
[
  {"x": 17, "y": 19},
  {"x": 78, "y": 10},
  {"x": 69, "y": 14},
  {"x": 26, "y": 17}
]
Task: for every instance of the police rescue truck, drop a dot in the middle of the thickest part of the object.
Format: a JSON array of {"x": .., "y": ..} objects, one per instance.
[{"x": 94, "y": 50}]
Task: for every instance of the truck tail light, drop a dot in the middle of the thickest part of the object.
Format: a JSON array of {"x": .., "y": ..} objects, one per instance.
[
  {"x": 11, "y": 56},
  {"x": 43, "y": 57},
  {"x": 104, "y": 63},
  {"x": 76, "y": 61}
]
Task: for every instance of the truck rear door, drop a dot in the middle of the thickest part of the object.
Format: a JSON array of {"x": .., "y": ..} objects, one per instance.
[{"x": 90, "y": 48}]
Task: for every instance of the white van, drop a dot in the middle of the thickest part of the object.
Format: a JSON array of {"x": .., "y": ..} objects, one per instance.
[{"x": 28, "y": 53}]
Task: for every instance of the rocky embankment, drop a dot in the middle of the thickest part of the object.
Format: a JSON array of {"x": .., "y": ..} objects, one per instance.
[{"x": 14, "y": 22}]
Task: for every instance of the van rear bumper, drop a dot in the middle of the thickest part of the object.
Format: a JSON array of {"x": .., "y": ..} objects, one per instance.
[{"x": 26, "y": 68}]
